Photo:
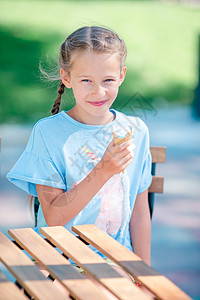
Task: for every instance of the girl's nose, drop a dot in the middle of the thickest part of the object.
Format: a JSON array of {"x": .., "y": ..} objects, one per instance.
[{"x": 98, "y": 91}]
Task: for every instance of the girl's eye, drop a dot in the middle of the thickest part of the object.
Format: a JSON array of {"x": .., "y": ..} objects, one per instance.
[
  {"x": 109, "y": 80},
  {"x": 85, "y": 80}
]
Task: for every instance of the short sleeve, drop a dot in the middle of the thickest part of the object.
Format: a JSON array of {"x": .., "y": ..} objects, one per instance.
[
  {"x": 146, "y": 176},
  {"x": 36, "y": 166}
]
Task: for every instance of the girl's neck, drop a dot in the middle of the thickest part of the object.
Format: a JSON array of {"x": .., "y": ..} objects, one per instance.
[{"x": 91, "y": 120}]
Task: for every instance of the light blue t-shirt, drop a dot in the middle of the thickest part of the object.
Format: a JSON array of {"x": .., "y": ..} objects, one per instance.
[{"x": 62, "y": 151}]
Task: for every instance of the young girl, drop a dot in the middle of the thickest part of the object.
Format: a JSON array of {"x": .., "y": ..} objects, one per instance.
[{"x": 71, "y": 162}]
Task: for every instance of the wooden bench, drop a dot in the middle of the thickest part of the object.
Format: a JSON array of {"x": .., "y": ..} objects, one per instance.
[{"x": 59, "y": 267}]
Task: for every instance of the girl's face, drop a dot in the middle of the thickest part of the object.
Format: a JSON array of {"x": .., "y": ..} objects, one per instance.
[{"x": 95, "y": 79}]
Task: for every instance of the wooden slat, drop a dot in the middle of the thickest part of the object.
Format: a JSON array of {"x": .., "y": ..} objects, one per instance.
[
  {"x": 79, "y": 286},
  {"x": 158, "y": 284},
  {"x": 158, "y": 154},
  {"x": 156, "y": 185},
  {"x": 26, "y": 273},
  {"x": 92, "y": 263},
  {"x": 8, "y": 290}
]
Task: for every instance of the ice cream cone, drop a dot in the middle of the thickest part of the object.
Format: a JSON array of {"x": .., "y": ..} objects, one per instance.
[{"x": 120, "y": 140}]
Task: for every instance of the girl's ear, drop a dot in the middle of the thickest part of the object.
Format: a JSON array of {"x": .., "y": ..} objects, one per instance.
[
  {"x": 122, "y": 75},
  {"x": 65, "y": 78}
]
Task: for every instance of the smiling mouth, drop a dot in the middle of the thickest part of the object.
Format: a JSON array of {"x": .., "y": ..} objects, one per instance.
[{"x": 98, "y": 103}]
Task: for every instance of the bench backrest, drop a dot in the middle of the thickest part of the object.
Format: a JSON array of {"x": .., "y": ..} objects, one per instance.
[{"x": 158, "y": 156}]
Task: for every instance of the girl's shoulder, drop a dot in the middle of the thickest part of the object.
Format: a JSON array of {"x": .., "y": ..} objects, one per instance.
[
  {"x": 49, "y": 121},
  {"x": 52, "y": 125},
  {"x": 48, "y": 128}
]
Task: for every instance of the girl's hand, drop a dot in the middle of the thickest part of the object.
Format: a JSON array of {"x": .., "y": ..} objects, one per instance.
[{"x": 117, "y": 157}]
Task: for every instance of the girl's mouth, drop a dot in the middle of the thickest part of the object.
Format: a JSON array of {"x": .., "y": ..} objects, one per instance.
[{"x": 99, "y": 103}]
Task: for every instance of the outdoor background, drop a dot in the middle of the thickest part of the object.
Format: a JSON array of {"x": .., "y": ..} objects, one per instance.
[{"x": 160, "y": 87}]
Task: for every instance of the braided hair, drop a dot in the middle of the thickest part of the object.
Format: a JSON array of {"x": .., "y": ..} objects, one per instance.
[
  {"x": 98, "y": 39},
  {"x": 56, "y": 106}
]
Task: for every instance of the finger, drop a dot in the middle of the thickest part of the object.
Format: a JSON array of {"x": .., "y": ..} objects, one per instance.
[
  {"x": 126, "y": 164},
  {"x": 126, "y": 160},
  {"x": 111, "y": 144},
  {"x": 131, "y": 147},
  {"x": 123, "y": 146},
  {"x": 129, "y": 151}
]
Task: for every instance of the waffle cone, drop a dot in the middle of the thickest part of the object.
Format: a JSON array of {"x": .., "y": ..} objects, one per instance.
[{"x": 119, "y": 141}]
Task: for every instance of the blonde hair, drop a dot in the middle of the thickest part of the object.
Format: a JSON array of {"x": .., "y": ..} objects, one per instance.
[{"x": 88, "y": 38}]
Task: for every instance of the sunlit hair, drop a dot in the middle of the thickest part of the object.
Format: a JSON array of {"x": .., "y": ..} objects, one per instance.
[{"x": 98, "y": 39}]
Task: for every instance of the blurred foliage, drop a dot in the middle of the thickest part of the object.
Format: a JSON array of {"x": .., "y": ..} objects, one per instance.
[{"x": 162, "y": 51}]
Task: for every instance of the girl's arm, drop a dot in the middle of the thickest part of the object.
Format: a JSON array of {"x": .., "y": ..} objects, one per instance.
[
  {"x": 59, "y": 207},
  {"x": 140, "y": 228}
]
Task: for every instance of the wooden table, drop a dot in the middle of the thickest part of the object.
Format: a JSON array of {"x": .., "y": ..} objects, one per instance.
[{"x": 36, "y": 285}]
